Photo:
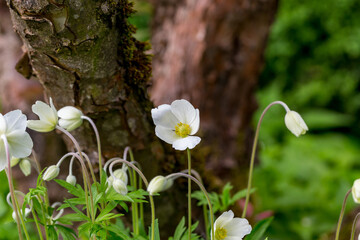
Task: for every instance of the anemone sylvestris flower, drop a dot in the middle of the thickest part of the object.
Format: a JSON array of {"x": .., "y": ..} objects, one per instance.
[
  {"x": 12, "y": 127},
  {"x": 70, "y": 118},
  {"x": 47, "y": 115},
  {"x": 295, "y": 123},
  {"x": 227, "y": 227},
  {"x": 177, "y": 123},
  {"x": 159, "y": 184}
]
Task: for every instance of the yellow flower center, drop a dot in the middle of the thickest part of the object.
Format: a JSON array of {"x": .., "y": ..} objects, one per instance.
[
  {"x": 220, "y": 234},
  {"x": 182, "y": 129}
]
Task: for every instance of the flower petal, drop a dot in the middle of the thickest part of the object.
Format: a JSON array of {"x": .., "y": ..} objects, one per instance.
[
  {"x": 70, "y": 124},
  {"x": 69, "y": 112},
  {"x": 163, "y": 116},
  {"x": 194, "y": 126},
  {"x": 15, "y": 120},
  {"x": 20, "y": 144},
  {"x": 184, "y": 143},
  {"x": 3, "y": 159},
  {"x": 3, "y": 125},
  {"x": 238, "y": 227},
  {"x": 166, "y": 134},
  {"x": 45, "y": 112},
  {"x": 183, "y": 110},
  {"x": 40, "y": 126},
  {"x": 224, "y": 219}
]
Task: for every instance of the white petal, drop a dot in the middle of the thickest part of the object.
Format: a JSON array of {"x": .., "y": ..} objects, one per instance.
[
  {"x": 184, "y": 143},
  {"x": 69, "y": 112},
  {"x": 70, "y": 124},
  {"x": 194, "y": 126},
  {"x": 54, "y": 112},
  {"x": 163, "y": 116},
  {"x": 3, "y": 124},
  {"x": 3, "y": 160},
  {"x": 45, "y": 112},
  {"x": 40, "y": 126},
  {"x": 15, "y": 120},
  {"x": 224, "y": 219},
  {"x": 20, "y": 144},
  {"x": 238, "y": 227},
  {"x": 183, "y": 110},
  {"x": 165, "y": 134}
]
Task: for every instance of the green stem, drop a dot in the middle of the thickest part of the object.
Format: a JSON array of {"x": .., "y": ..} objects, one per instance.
[
  {"x": 11, "y": 186},
  {"x": 189, "y": 193},
  {"x": 97, "y": 140},
  {"x": 354, "y": 226},
  {"x": 146, "y": 184},
  {"x": 253, "y": 153},
  {"x": 44, "y": 219},
  {"x": 341, "y": 215},
  {"x": 36, "y": 223},
  {"x": 176, "y": 175}
]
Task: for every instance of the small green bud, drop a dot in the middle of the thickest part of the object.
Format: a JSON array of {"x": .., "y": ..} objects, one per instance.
[
  {"x": 159, "y": 184},
  {"x": 51, "y": 173},
  {"x": 71, "y": 179},
  {"x": 25, "y": 167},
  {"x": 120, "y": 187}
]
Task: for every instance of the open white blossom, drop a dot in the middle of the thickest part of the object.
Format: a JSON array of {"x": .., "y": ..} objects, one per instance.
[
  {"x": 70, "y": 118},
  {"x": 227, "y": 227},
  {"x": 47, "y": 115},
  {"x": 177, "y": 123},
  {"x": 356, "y": 191},
  {"x": 12, "y": 127},
  {"x": 295, "y": 123}
]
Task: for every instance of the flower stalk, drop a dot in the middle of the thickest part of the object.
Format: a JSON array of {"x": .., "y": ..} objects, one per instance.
[
  {"x": 189, "y": 193},
  {"x": 342, "y": 215}
]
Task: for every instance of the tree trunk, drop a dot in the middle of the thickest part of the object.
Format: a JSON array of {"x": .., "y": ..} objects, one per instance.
[{"x": 211, "y": 53}]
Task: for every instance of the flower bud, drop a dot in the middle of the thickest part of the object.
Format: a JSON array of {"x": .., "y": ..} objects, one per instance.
[
  {"x": 158, "y": 184},
  {"x": 27, "y": 212},
  {"x": 120, "y": 187},
  {"x": 295, "y": 123},
  {"x": 51, "y": 173},
  {"x": 71, "y": 179},
  {"x": 356, "y": 191},
  {"x": 14, "y": 161},
  {"x": 121, "y": 174},
  {"x": 70, "y": 118},
  {"x": 25, "y": 167}
]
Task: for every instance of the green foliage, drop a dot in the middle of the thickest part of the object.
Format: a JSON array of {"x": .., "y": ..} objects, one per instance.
[
  {"x": 182, "y": 233},
  {"x": 259, "y": 229},
  {"x": 220, "y": 202}
]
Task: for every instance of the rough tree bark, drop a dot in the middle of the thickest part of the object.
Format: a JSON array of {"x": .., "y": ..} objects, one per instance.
[{"x": 211, "y": 53}]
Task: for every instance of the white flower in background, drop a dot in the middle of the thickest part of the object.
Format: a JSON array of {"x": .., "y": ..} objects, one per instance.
[
  {"x": 71, "y": 179},
  {"x": 227, "y": 227},
  {"x": 12, "y": 127},
  {"x": 356, "y": 191},
  {"x": 70, "y": 118},
  {"x": 51, "y": 173},
  {"x": 25, "y": 167},
  {"x": 26, "y": 213},
  {"x": 295, "y": 123},
  {"x": 120, "y": 186},
  {"x": 159, "y": 184},
  {"x": 47, "y": 115},
  {"x": 176, "y": 123}
]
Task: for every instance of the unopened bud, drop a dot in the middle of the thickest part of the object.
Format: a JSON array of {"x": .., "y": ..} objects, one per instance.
[
  {"x": 159, "y": 184},
  {"x": 26, "y": 213},
  {"x": 71, "y": 179},
  {"x": 25, "y": 167},
  {"x": 120, "y": 187},
  {"x": 14, "y": 161},
  {"x": 121, "y": 174},
  {"x": 51, "y": 173},
  {"x": 70, "y": 118},
  {"x": 356, "y": 191},
  {"x": 295, "y": 123}
]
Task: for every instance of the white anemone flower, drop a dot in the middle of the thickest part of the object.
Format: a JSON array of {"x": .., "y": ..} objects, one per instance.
[
  {"x": 12, "y": 127},
  {"x": 295, "y": 123},
  {"x": 177, "y": 123},
  {"x": 355, "y": 190},
  {"x": 70, "y": 118},
  {"x": 47, "y": 115},
  {"x": 227, "y": 227}
]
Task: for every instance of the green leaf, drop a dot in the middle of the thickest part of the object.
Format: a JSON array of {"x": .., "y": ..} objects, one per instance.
[
  {"x": 74, "y": 190},
  {"x": 180, "y": 229},
  {"x": 156, "y": 227},
  {"x": 259, "y": 229},
  {"x": 66, "y": 233}
]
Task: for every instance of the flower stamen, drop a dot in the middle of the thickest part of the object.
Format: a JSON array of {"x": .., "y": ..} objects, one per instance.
[
  {"x": 182, "y": 129},
  {"x": 220, "y": 234}
]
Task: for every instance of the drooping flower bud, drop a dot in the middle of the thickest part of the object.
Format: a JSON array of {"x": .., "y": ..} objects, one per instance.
[
  {"x": 25, "y": 167},
  {"x": 25, "y": 214},
  {"x": 295, "y": 123},
  {"x": 71, "y": 179},
  {"x": 121, "y": 174},
  {"x": 70, "y": 118},
  {"x": 14, "y": 161},
  {"x": 159, "y": 184},
  {"x": 51, "y": 173},
  {"x": 120, "y": 186},
  {"x": 356, "y": 191}
]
